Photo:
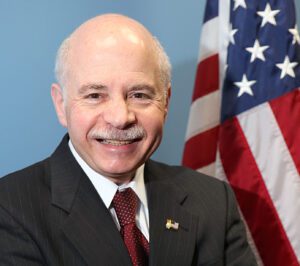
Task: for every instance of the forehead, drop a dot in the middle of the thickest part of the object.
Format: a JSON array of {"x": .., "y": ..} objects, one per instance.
[{"x": 120, "y": 52}]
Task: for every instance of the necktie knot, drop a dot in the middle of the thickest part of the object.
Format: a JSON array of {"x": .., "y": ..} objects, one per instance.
[{"x": 125, "y": 204}]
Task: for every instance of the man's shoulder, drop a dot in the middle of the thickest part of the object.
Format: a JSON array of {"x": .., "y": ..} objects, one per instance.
[
  {"x": 203, "y": 192},
  {"x": 183, "y": 176},
  {"x": 23, "y": 182},
  {"x": 36, "y": 170},
  {"x": 37, "y": 173}
]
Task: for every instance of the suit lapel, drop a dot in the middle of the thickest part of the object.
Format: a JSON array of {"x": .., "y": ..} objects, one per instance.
[
  {"x": 89, "y": 223},
  {"x": 166, "y": 201}
]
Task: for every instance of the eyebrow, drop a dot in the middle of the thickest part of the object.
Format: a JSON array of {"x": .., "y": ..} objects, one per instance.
[
  {"x": 84, "y": 88},
  {"x": 142, "y": 87}
]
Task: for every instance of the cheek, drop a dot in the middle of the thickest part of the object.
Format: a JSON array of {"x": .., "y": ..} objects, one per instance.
[
  {"x": 154, "y": 125},
  {"x": 80, "y": 121}
]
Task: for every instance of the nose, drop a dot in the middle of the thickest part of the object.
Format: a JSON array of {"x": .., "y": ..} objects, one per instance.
[{"x": 118, "y": 113}]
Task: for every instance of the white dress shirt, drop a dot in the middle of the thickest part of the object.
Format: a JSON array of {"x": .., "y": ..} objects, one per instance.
[{"x": 107, "y": 190}]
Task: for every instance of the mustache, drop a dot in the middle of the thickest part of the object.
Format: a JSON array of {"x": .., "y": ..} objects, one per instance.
[{"x": 131, "y": 133}]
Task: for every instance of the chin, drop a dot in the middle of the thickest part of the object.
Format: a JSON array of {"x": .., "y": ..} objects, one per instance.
[{"x": 118, "y": 172}]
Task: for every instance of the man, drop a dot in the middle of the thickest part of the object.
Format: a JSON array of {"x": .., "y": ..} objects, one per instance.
[{"x": 112, "y": 96}]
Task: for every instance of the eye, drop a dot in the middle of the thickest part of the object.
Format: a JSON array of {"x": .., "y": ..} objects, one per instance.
[
  {"x": 93, "y": 96},
  {"x": 140, "y": 95}
]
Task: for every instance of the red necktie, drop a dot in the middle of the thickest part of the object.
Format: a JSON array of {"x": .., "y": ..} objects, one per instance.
[{"x": 125, "y": 204}]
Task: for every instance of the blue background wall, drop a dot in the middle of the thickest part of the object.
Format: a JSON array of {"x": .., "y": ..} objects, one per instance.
[{"x": 31, "y": 32}]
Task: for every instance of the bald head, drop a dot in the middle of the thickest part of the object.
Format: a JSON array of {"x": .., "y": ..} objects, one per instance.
[{"x": 106, "y": 33}]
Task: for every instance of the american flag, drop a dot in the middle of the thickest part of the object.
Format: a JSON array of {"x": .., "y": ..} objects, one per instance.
[{"x": 244, "y": 123}]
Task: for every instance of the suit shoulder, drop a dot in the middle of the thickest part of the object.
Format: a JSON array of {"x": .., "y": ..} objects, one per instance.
[
  {"x": 200, "y": 187},
  {"x": 23, "y": 175},
  {"x": 23, "y": 182},
  {"x": 183, "y": 175},
  {"x": 204, "y": 193}
]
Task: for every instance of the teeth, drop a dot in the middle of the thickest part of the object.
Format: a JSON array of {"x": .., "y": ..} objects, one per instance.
[{"x": 116, "y": 142}]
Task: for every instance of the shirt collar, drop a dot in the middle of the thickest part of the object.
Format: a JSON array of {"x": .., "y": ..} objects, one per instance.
[{"x": 106, "y": 188}]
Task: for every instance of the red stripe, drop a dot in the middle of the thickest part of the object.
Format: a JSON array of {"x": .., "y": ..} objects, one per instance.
[
  {"x": 255, "y": 202},
  {"x": 201, "y": 149},
  {"x": 207, "y": 77},
  {"x": 287, "y": 112}
]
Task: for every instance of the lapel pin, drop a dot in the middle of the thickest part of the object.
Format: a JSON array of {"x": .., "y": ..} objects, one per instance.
[{"x": 172, "y": 224}]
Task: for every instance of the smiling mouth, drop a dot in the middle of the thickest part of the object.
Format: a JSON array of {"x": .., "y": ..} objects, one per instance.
[{"x": 116, "y": 142}]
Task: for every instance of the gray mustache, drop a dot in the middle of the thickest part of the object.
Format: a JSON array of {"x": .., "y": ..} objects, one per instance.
[{"x": 135, "y": 132}]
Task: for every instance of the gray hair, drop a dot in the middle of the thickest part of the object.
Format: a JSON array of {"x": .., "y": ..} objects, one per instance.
[{"x": 61, "y": 63}]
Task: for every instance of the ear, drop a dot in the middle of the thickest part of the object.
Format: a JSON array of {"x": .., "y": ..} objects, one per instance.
[
  {"x": 59, "y": 104},
  {"x": 168, "y": 96}
]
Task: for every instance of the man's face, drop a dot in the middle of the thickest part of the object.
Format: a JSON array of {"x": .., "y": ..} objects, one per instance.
[{"x": 114, "y": 106}]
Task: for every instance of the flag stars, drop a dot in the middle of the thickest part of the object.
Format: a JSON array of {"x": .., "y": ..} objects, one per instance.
[
  {"x": 295, "y": 33},
  {"x": 232, "y": 32},
  {"x": 238, "y": 3},
  {"x": 268, "y": 15},
  {"x": 245, "y": 86},
  {"x": 257, "y": 51},
  {"x": 287, "y": 68}
]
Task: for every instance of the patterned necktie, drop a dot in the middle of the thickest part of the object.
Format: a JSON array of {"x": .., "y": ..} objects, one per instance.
[{"x": 125, "y": 204}]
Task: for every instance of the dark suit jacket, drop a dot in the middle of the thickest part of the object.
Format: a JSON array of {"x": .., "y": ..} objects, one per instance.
[{"x": 50, "y": 214}]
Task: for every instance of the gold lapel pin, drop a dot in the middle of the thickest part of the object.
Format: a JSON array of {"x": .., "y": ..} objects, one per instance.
[{"x": 172, "y": 224}]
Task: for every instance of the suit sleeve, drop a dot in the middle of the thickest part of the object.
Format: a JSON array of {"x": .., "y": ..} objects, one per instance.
[
  {"x": 237, "y": 249},
  {"x": 16, "y": 246}
]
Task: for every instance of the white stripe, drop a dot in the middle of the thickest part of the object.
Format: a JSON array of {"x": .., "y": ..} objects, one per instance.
[
  {"x": 209, "y": 39},
  {"x": 204, "y": 114},
  {"x": 220, "y": 173},
  {"x": 208, "y": 169},
  {"x": 276, "y": 166}
]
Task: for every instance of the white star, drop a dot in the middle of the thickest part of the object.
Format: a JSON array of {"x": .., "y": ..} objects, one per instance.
[
  {"x": 257, "y": 51},
  {"x": 268, "y": 15},
  {"x": 295, "y": 32},
  {"x": 225, "y": 68},
  {"x": 232, "y": 32},
  {"x": 245, "y": 86},
  {"x": 238, "y": 3},
  {"x": 287, "y": 68}
]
